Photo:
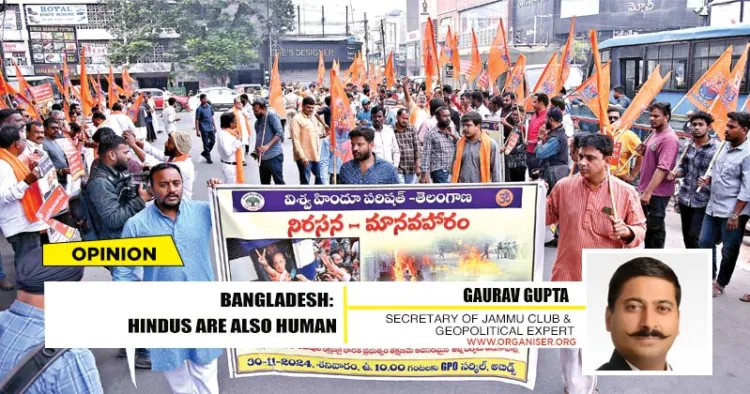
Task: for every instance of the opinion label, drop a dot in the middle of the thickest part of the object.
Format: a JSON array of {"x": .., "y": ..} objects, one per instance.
[{"x": 157, "y": 251}]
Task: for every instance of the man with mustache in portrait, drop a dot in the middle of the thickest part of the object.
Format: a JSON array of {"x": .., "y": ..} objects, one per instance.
[{"x": 642, "y": 315}]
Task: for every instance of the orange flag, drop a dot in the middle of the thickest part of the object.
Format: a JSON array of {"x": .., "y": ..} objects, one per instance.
[
  {"x": 321, "y": 68},
  {"x": 445, "y": 57},
  {"x": 727, "y": 100},
  {"x": 453, "y": 54},
  {"x": 499, "y": 60},
  {"x": 476, "y": 61},
  {"x": 567, "y": 57},
  {"x": 65, "y": 97},
  {"x": 429, "y": 54},
  {"x": 86, "y": 101},
  {"x": 588, "y": 92},
  {"x": 602, "y": 85},
  {"x": 642, "y": 100},
  {"x": 133, "y": 111},
  {"x": 127, "y": 82},
  {"x": 710, "y": 85},
  {"x": 275, "y": 97},
  {"x": 390, "y": 75},
  {"x": 111, "y": 89},
  {"x": 342, "y": 121},
  {"x": 548, "y": 79},
  {"x": 514, "y": 83},
  {"x": 23, "y": 87}
]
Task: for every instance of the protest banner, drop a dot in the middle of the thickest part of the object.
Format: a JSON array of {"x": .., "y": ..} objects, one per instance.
[
  {"x": 496, "y": 131},
  {"x": 75, "y": 161},
  {"x": 491, "y": 232}
]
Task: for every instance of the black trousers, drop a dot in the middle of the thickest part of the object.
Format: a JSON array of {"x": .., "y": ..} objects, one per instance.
[
  {"x": 209, "y": 140},
  {"x": 692, "y": 221},
  {"x": 656, "y": 230}
]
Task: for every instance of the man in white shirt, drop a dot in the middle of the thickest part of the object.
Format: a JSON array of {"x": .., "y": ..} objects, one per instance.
[
  {"x": 119, "y": 121},
  {"x": 176, "y": 151},
  {"x": 568, "y": 125},
  {"x": 169, "y": 114},
  {"x": 229, "y": 141},
  {"x": 243, "y": 124},
  {"x": 477, "y": 101},
  {"x": 19, "y": 198},
  {"x": 386, "y": 145}
]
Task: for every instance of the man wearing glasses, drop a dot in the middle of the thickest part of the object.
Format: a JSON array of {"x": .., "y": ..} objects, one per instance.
[{"x": 625, "y": 143}]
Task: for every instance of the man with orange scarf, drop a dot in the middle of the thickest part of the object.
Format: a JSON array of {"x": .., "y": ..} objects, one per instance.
[
  {"x": 476, "y": 158},
  {"x": 19, "y": 200}
]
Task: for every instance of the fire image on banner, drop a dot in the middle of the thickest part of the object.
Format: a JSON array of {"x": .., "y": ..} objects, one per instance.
[{"x": 488, "y": 232}]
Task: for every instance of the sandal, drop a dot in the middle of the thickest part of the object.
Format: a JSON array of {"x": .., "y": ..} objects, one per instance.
[
  {"x": 745, "y": 298},
  {"x": 718, "y": 290}
]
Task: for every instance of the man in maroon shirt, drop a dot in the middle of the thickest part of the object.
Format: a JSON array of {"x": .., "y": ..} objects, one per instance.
[{"x": 540, "y": 101}]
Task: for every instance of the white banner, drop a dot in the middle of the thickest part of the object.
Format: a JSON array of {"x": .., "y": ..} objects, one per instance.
[{"x": 38, "y": 15}]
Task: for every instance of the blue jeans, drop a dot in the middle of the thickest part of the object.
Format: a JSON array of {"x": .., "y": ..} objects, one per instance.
[
  {"x": 23, "y": 243},
  {"x": 713, "y": 232},
  {"x": 209, "y": 140},
  {"x": 272, "y": 168},
  {"x": 313, "y": 167},
  {"x": 407, "y": 179},
  {"x": 440, "y": 176}
]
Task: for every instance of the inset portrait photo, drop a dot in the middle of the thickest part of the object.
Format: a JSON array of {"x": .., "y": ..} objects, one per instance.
[{"x": 649, "y": 312}]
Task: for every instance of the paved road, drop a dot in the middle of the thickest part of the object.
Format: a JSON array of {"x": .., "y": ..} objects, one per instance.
[{"x": 731, "y": 330}]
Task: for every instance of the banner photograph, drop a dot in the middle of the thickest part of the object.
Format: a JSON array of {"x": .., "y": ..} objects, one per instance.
[{"x": 400, "y": 233}]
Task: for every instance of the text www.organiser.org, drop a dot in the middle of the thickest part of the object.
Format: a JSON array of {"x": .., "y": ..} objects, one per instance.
[{"x": 521, "y": 342}]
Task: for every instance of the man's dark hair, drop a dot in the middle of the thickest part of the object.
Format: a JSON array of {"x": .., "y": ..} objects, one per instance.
[
  {"x": 702, "y": 115},
  {"x": 435, "y": 105},
  {"x": 32, "y": 124},
  {"x": 619, "y": 89},
  {"x": 49, "y": 121},
  {"x": 497, "y": 101},
  {"x": 601, "y": 142},
  {"x": 441, "y": 109},
  {"x": 73, "y": 106},
  {"x": 664, "y": 107},
  {"x": 245, "y": 97},
  {"x": 116, "y": 107},
  {"x": 226, "y": 119},
  {"x": 377, "y": 109},
  {"x": 473, "y": 117},
  {"x": 477, "y": 96},
  {"x": 366, "y": 132},
  {"x": 614, "y": 109},
  {"x": 485, "y": 95},
  {"x": 6, "y": 113},
  {"x": 366, "y": 90},
  {"x": 448, "y": 89},
  {"x": 161, "y": 167},
  {"x": 202, "y": 96},
  {"x": 9, "y": 135},
  {"x": 511, "y": 94},
  {"x": 740, "y": 117},
  {"x": 57, "y": 107},
  {"x": 401, "y": 111},
  {"x": 542, "y": 98},
  {"x": 98, "y": 115},
  {"x": 172, "y": 100},
  {"x": 74, "y": 127},
  {"x": 308, "y": 101},
  {"x": 577, "y": 139},
  {"x": 637, "y": 267},
  {"x": 327, "y": 100},
  {"x": 109, "y": 143},
  {"x": 466, "y": 94},
  {"x": 101, "y": 133},
  {"x": 558, "y": 102}
]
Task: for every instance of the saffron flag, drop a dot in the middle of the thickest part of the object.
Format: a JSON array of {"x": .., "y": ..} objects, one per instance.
[
  {"x": 133, "y": 111},
  {"x": 446, "y": 52},
  {"x": 429, "y": 53},
  {"x": 707, "y": 89},
  {"x": 87, "y": 103},
  {"x": 476, "y": 61},
  {"x": 455, "y": 58},
  {"x": 342, "y": 121},
  {"x": 276, "y": 100},
  {"x": 321, "y": 68},
  {"x": 127, "y": 82},
  {"x": 111, "y": 88},
  {"x": 642, "y": 100},
  {"x": 23, "y": 87},
  {"x": 602, "y": 86},
  {"x": 499, "y": 60},
  {"x": 588, "y": 92},
  {"x": 727, "y": 100},
  {"x": 567, "y": 57},
  {"x": 548, "y": 79},
  {"x": 514, "y": 83},
  {"x": 390, "y": 75}
]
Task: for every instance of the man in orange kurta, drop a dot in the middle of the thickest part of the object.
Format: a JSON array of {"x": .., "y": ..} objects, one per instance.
[{"x": 582, "y": 207}]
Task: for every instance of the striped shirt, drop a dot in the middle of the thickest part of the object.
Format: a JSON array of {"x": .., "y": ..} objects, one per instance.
[
  {"x": 408, "y": 145},
  {"x": 578, "y": 208},
  {"x": 693, "y": 166},
  {"x": 438, "y": 151}
]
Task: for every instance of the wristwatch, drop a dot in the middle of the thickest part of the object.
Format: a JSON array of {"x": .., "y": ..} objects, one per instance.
[{"x": 734, "y": 217}]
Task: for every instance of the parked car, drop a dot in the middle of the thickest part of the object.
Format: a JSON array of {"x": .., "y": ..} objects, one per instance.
[
  {"x": 160, "y": 96},
  {"x": 219, "y": 97}
]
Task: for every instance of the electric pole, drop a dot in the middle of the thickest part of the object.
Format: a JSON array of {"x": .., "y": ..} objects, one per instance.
[
  {"x": 299, "y": 21},
  {"x": 323, "y": 18},
  {"x": 367, "y": 41},
  {"x": 347, "y": 20},
  {"x": 382, "y": 37}
]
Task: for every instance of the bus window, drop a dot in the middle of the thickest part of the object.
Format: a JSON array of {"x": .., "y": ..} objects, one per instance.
[{"x": 631, "y": 77}]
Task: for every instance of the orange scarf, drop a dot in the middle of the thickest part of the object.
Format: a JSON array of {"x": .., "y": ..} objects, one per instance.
[
  {"x": 241, "y": 117},
  {"x": 238, "y": 156},
  {"x": 32, "y": 198},
  {"x": 484, "y": 158}
]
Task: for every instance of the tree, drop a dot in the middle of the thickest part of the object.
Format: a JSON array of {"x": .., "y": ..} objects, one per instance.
[{"x": 136, "y": 26}]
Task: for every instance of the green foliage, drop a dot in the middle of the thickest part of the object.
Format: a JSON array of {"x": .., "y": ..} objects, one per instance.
[{"x": 217, "y": 54}]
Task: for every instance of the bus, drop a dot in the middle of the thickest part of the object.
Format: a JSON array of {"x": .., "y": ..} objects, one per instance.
[
  {"x": 44, "y": 89},
  {"x": 688, "y": 53}
]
